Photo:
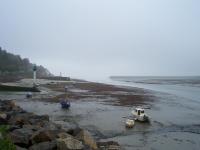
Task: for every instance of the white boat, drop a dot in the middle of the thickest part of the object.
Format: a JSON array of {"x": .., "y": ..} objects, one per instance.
[
  {"x": 140, "y": 115},
  {"x": 130, "y": 123}
]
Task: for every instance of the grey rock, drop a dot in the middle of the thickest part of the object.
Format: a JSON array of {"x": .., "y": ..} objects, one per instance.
[
  {"x": 43, "y": 136},
  {"x": 52, "y": 126},
  {"x": 3, "y": 118},
  {"x": 69, "y": 143},
  {"x": 32, "y": 127},
  {"x": 14, "y": 127},
  {"x": 3, "y": 115},
  {"x": 8, "y": 105},
  {"x": 87, "y": 139},
  {"x": 20, "y": 148},
  {"x": 21, "y": 136},
  {"x": 44, "y": 146},
  {"x": 20, "y": 119},
  {"x": 109, "y": 145},
  {"x": 74, "y": 131},
  {"x": 39, "y": 120},
  {"x": 63, "y": 135},
  {"x": 17, "y": 118}
]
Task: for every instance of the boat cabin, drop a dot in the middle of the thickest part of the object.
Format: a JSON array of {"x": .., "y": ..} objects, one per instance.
[{"x": 139, "y": 111}]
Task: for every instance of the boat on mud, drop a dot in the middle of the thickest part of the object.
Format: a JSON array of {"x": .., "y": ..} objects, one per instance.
[
  {"x": 130, "y": 123},
  {"x": 29, "y": 95},
  {"x": 140, "y": 115},
  {"x": 65, "y": 104}
]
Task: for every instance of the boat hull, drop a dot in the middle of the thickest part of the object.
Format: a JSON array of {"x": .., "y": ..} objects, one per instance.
[
  {"x": 129, "y": 123},
  {"x": 141, "y": 118},
  {"x": 65, "y": 104}
]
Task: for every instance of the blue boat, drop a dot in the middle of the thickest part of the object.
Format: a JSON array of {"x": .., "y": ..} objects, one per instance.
[{"x": 65, "y": 104}]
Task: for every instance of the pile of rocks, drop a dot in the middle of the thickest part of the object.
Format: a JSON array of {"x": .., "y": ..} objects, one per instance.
[{"x": 33, "y": 132}]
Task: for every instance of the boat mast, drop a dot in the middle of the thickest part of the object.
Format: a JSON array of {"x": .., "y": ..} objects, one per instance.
[
  {"x": 34, "y": 75},
  {"x": 66, "y": 92}
]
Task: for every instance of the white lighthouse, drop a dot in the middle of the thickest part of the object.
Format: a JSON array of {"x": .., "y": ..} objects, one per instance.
[{"x": 34, "y": 75}]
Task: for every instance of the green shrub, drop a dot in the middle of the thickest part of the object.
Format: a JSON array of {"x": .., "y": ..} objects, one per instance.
[
  {"x": 5, "y": 142},
  {"x": 4, "y": 129}
]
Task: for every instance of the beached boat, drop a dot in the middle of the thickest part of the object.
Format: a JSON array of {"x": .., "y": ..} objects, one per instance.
[
  {"x": 130, "y": 123},
  {"x": 65, "y": 104},
  {"x": 140, "y": 115},
  {"x": 29, "y": 95}
]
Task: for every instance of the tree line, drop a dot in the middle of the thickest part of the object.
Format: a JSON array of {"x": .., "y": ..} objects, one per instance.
[{"x": 11, "y": 64}]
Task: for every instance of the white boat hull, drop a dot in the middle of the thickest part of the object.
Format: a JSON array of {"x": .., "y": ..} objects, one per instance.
[
  {"x": 142, "y": 117},
  {"x": 130, "y": 123}
]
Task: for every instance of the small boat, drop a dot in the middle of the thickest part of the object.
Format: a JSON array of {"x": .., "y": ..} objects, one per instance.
[
  {"x": 65, "y": 104},
  {"x": 140, "y": 115},
  {"x": 29, "y": 95},
  {"x": 130, "y": 123}
]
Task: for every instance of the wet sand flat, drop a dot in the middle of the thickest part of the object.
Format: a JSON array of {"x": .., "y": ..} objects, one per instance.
[
  {"x": 102, "y": 109},
  {"x": 110, "y": 94}
]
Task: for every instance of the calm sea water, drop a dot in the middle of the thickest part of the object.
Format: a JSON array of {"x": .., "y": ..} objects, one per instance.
[{"x": 187, "y": 87}]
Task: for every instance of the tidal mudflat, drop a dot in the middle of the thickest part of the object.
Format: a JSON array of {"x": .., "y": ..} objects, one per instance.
[{"x": 102, "y": 109}]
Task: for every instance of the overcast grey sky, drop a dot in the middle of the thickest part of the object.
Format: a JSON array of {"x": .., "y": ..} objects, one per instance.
[{"x": 96, "y": 38}]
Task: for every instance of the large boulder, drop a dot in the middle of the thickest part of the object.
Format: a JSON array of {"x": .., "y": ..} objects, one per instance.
[
  {"x": 14, "y": 107},
  {"x": 20, "y": 148},
  {"x": 3, "y": 118},
  {"x": 8, "y": 105},
  {"x": 12, "y": 104},
  {"x": 28, "y": 119},
  {"x": 63, "y": 135},
  {"x": 74, "y": 131},
  {"x": 3, "y": 115},
  {"x": 52, "y": 126},
  {"x": 51, "y": 145},
  {"x": 109, "y": 145},
  {"x": 20, "y": 119},
  {"x": 87, "y": 139},
  {"x": 43, "y": 136},
  {"x": 13, "y": 127},
  {"x": 69, "y": 143},
  {"x": 21, "y": 136},
  {"x": 32, "y": 127},
  {"x": 39, "y": 120}
]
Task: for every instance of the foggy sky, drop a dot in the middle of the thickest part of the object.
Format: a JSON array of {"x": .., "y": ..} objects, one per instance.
[{"x": 98, "y": 38}]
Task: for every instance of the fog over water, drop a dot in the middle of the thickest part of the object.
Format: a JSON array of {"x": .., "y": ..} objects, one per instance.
[{"x": 95, "y": 39}]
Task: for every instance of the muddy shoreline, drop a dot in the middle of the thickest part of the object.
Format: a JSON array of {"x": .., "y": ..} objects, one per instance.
[
  {"x": 80, "y": 93},
  {"x": 109, "y": 94},
  {"x": 102, "y": 109}
]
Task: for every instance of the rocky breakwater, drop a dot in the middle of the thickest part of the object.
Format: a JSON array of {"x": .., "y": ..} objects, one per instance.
[{"x": 28, "y": 131}]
